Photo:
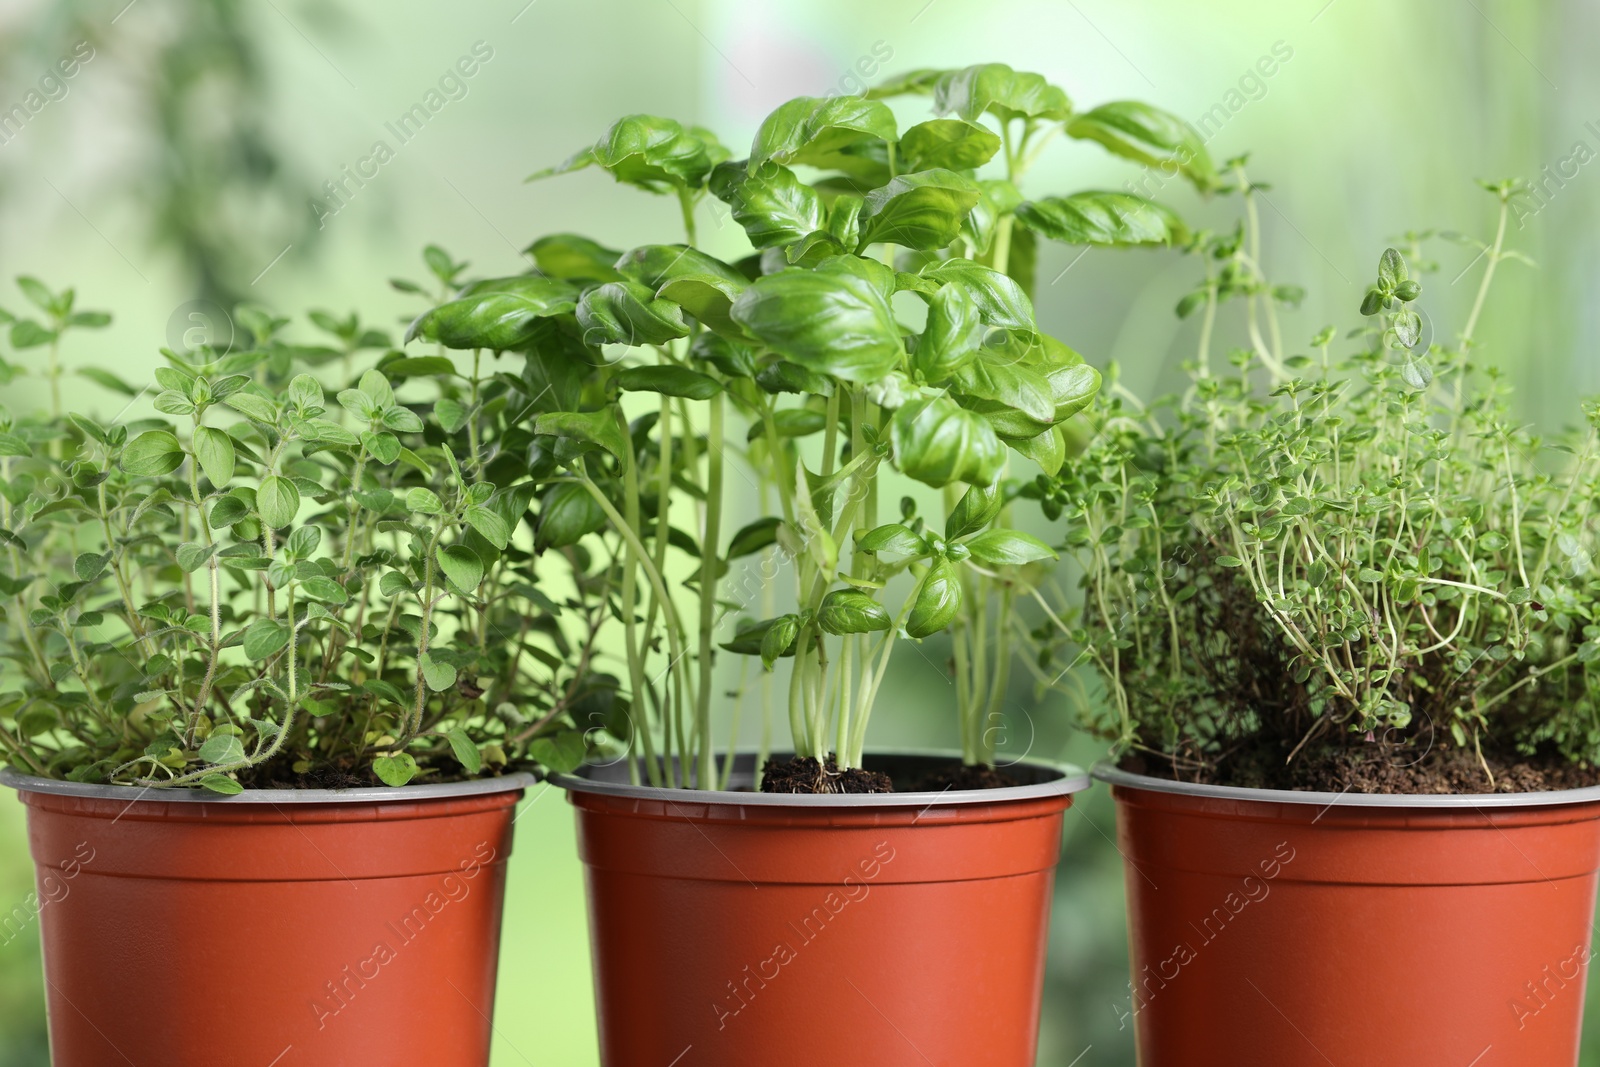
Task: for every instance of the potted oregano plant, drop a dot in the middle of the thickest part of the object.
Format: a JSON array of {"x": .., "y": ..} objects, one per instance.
[
  {"x": 862, "y": 368},
  {"x": 1343, "y": 607},
  {"x": 269, "y": 687}
]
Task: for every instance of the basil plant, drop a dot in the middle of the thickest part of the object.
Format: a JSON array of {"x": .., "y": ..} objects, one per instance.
[
  {"x": 273, "y": 582},
  {"x": 873, "y": 325}
]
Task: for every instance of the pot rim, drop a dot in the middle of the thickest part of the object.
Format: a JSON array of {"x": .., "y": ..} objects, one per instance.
[
  {"x": 1112, "y": 775},
  {"x": 1072, "y": 779},
  {"x": 28, "y": 783}
]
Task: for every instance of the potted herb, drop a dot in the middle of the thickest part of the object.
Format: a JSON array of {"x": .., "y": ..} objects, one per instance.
[
  {"x": 266, "y": 696},
  {"x": 871, "y": 331},
  {"x": 1345, "y": 614}
]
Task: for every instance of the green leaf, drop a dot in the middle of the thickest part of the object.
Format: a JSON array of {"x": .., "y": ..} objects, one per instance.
[
  {"x": 597, "y": 428},
  {"x": 850, "y": 611},
  {"x": 923, "y": 210},
  {"x": 214, "y": 449},
  {"x": 936, "y": 600},
  {"x": 1048, "y": 449},
  {"x": 772, "y": 205},
  {"x": 254, "y": 406},
  {"x": 325, "y": 589},
  {"x": 107, "y": 380},
  {"x": 1229, "y": 561},
  {"x": 37, "y": 292},
  {"x": 90, "y": 565},
  {"x": 953, "y": 144},
  {"x": 465, "y": 751},
  {"x": 277, "y": 501},
  {"x": 893, "y": 539},
  {"x": 489, "y": 523},
  {"x": 937, "y": 442},
  {"x": 221, "y": 783},
  {"x": 381, "y": 446},
  {"x": 975, "y": 510},
  {"x": 263, "y": 638},
  {"x": 567, "y": 514},
  {"x": 833, "y": 320},
  {"x": 992, "y": 376},
  {"x": 561, "y": 754},
  {"x": 495, "y": 318},
  {"x": 1000, "y": 300},
  {"x": 1008, "y": 548},
  {"x": 462, "y": 566},
  {"x": 396, "y": 771},
  {"x": 671, "y": 381},
  {"x": 815, "y": 130},
  {"x": 26, "y": 333},
  {"x": 653, "y": 153},
  {"x": 1150, "y": 136},
  {"x": 191, "y": 557},
  {"x": 1000, "y": 91},
  {"x": 778, "y": 639},
  {"x": 436, "y": 674},
  {"x": 420, "y": 367},
  {"x": 12, "y": 445},
  {"x": 573, "y": 258},
  {"x": 754, "y": 537},
  {"x": 152, "y": 453},
  {"x": 627, "y": 313},
  {"x": 1102, "y": 218},
  {"x": 222, "y": 749}
]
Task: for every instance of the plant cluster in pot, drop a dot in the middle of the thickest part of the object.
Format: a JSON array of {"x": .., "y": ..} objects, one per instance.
[
  {"x": 876, "y": 327},
  {"x": 261, "y": 699},
  {"x": 1345, "y": 612}
]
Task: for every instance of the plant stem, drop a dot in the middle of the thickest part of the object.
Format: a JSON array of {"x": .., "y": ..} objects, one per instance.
[{"x": 709, "y": 558}]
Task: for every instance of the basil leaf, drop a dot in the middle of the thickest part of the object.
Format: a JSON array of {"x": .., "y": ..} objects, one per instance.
[
  {"x": 1000, "y": 91},
  {"x": 1150, "y": 136},
  {"x": 1000, "y": 300},
  {"x": 954, "y": 144},
  {"x": 936, "y": 602},
  {"x": 814, "y": 130},
  {"x": 627, "y": 313},
  {"x": 500, "y": 317},
  {"x": 1102, "y": 218},
  {"x": 923, "y": 210},
  {"x": 850, "y": 611},
  {"x": 937, "y": 442},
  {"x": 975, "y": 510},
  {"x": 772, "y": 205},
  {"x": 573, "y": 258},
  {"x": 1003, "y": 548},
  {"x": 830, "y": 321},
  {"x": 669, "y": 381}
]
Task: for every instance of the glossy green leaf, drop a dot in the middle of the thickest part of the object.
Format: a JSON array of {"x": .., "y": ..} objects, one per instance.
[
  {"x": 627, "y": 313},
  {"x": 754, "y": 537},
  {"x": 923, "y": 210},
  {"x": 669, "y": 381},
  {"x": 778, "y": 640},
  {"x": 1150, "y": 136},
  {"x": 938, "y": 442},
  {"x": 772, "y": 205},
  {"x": 496, "y": 318},
  {"x": 850, "y": 611},
  {"x": 814, "y": 130},
  {"x": 1000, "y": 300},
  {"x": 953, "y": 144},
  {"x": 573, "y": 258},
  {"x": 836, "y": 322},
  {"x": 567, "y": 514},
  {"x": 992, "y": 376},
  {"x": 936, "y": 601},
  {"x": 598, "y": 428},
  {"x": 975, "y": 510},
  {"x": 893, "y": 539},
  {"x": 653, "y": 153},
  {"x": 1008, "y": 548},
  {"x": 1102, "y": 218},
  {"x": 1000, "y": 91}
]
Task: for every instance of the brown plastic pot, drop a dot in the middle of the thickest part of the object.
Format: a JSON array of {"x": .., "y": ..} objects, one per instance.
[
  {"x": 276, "y": 928},
  {"x": 738, "y": 928},
  {"x": 1308, "y": 929}
]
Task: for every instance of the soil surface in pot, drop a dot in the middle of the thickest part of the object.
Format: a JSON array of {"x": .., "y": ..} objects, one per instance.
[
  {"x": 806, "y": 775},
  {"x": 341, "y": 773},
  {"x": 1375, "y": 767}
]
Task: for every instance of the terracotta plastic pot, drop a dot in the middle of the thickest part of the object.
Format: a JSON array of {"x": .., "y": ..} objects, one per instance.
[
  {"x": 740, "y": 928},
  {"x": 1308, "y": 929},
  {"x": 272, "y": 929}
]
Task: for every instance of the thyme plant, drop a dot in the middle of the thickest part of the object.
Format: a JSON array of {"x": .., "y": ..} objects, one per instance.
[
  {"x": 875, "y": 317},
  {"x": 272, "y": 585},
  {"x": 1337, "y": 559}
]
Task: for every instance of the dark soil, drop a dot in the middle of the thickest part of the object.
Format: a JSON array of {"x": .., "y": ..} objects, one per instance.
[
  {"x": 1376, "y": 767},
  {"x": 964, "y": 776},
  {"x": 280, "y": 774},
  {"x": 806, "y": 775}
]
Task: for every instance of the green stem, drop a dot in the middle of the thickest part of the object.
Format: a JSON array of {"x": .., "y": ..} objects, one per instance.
[{"x": 709, "y": 558}]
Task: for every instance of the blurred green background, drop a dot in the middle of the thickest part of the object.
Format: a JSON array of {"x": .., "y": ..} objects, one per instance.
[{"x": 182, "y": 159}]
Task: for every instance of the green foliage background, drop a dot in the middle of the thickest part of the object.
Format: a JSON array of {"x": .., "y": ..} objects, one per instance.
[{"x": 183, "y": 157}]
